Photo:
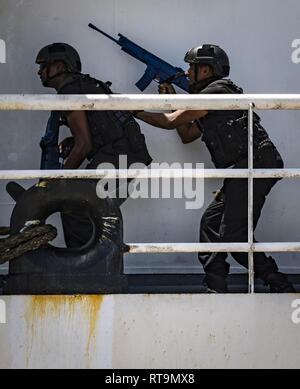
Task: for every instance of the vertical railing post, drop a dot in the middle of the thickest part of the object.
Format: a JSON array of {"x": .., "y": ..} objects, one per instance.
[{"x": 250, "y": 199}]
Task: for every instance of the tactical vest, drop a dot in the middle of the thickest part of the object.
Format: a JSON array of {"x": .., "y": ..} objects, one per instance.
[
  {"x": 113, "y": 132},
  {"x": 225, "y": 133}
]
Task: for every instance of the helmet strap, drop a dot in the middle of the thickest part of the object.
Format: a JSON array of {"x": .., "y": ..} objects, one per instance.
[
  {"x": 197, "y": 67},
  {"x": 55, "y": 75}
]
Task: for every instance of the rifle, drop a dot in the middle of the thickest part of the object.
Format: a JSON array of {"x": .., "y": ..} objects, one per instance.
[
  {"x": 156, "y": 67},
  {"x": 50, "y": 159}
]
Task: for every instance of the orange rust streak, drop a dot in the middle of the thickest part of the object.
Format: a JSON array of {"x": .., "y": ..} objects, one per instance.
[
  {"x": 64, "y": 307},
  {"x": 45, "y": 305},
  {"x": 93, "y": 308}
]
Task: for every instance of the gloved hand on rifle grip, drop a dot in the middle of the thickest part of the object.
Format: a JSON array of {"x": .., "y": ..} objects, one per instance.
[
  {"x": 65, "y": 147},
  {"x": 166, "y": 89}
]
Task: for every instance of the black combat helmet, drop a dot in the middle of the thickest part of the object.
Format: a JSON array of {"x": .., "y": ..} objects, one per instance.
[
  {"x": 210, "y": 55},
  {"x": 60, "y": 52}
]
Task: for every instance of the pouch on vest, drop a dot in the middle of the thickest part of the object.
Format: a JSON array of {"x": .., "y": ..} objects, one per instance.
[
  {"x": 135, "y": 137},
  {"x": 226, "y": 140}
]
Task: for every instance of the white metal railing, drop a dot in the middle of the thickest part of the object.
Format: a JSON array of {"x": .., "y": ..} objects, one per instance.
[
  {"x": 153, "y": 102},
  {"x": 250, "y": 199}
]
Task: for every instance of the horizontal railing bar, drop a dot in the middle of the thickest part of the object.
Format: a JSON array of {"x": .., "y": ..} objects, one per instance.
[
  {"x": 143, "y": 248},
  {"x": 276, "y": 173},
  {"x": 276, "y": 247},
  {"x": 149, "y": 102},
  {"x": 146, "y": 173}
]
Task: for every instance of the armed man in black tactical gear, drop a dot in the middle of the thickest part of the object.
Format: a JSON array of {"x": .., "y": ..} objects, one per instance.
[
  {"x": 225, "y": 134},
  {"x": 98, "y": 136}
]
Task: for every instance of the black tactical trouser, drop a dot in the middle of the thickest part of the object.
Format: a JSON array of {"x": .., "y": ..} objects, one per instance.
[{"x": 226, "y": 219}]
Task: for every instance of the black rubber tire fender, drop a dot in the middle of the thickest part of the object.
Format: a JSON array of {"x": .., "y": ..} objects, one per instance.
[{"x": 49, "y": 197}]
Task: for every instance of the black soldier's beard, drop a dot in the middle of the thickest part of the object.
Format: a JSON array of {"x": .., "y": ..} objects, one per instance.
[{"x": 45, "y": 83}]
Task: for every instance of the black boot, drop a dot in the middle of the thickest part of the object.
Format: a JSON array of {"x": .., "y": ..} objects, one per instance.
[
  {"x": 215, "y": 283},
  {"x": 279, "y": 283}
]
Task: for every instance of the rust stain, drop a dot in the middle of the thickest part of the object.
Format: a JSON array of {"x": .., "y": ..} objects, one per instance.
[
  {"x": 42, "y": 306},
  {"x": 39, "y": 309},
  {"x": 88, "y": 106},
  {"x": 43, "y": 309},
  {"x": 93, "y": 308}
]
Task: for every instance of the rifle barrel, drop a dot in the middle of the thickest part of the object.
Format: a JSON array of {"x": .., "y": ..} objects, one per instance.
[{"x": 103, "y": 33}]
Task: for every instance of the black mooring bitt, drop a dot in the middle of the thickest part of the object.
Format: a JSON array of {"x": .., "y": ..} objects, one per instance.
[{"x": 96, "y": 267}]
